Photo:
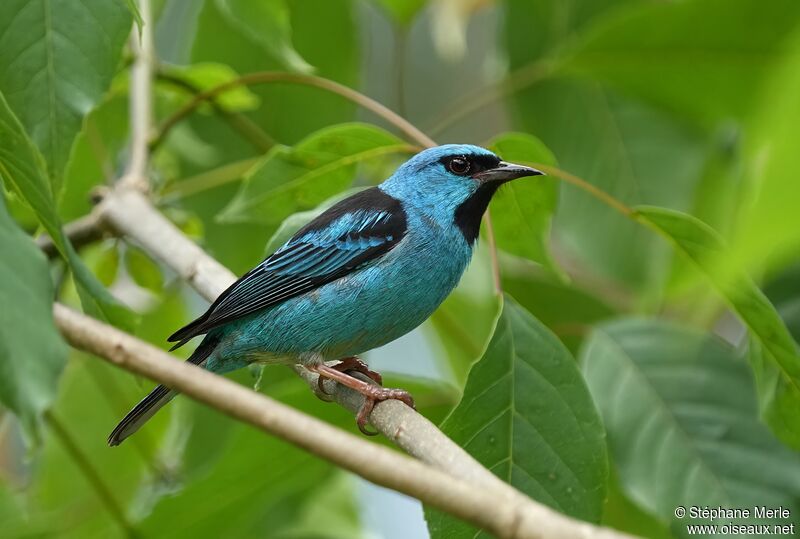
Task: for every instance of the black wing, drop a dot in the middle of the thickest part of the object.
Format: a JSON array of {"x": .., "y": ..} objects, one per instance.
[{"x": 347, "y": 236}]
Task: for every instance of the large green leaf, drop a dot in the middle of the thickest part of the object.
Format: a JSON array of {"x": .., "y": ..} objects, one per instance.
[
  {"x": 523, "y": 210},
  {"x": 567, "y": 310},
  {"x": 622, "y": 146},
  {"x": 689, "y": 57},
  {"x": 526, "y": 414},
  {"x": 551, "y": 23},
  {"x": 769, "y": 229},
  {"x": 682, "y": 425},
  {"x": 57, "y": 58},
  {"x": 268, "y": 24},
  {"x": 778, "y": 378},
  {"x": 294, "y": 179},
  {"x": 784, "y": 292},
  {"x": 22, "y": 167},
  {"x": 32, "y": 353},
  {"x": 254, "y": 482},
  {"x": 463, "y": 338}
]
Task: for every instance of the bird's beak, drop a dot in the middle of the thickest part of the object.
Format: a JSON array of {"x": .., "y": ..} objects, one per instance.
[{"x": 504, "y": 172}]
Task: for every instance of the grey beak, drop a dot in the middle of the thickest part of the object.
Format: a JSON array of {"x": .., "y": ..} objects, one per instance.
[{"x": 504, "y": 172}]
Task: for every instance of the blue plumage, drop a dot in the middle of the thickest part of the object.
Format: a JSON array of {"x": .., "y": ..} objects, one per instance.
[{"x": 368, "y": 270}]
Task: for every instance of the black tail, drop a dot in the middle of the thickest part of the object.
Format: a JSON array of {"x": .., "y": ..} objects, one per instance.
[
  {"x": 143, "y": 411},
  {"x": 157, "y": 398}
]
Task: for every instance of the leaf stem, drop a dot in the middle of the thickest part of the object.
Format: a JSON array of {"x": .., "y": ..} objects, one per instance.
[
  {"x": 496, "y": 277},
  {"x": 267, "y": 77},
  {"x": 227, "y": 173},
  {"x": 247, "y": 128},
  {"x": 519, "y": 79},
  {"x": 596, "y": 192}
]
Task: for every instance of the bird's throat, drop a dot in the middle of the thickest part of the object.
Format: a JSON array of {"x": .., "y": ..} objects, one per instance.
[{"x": 469, "y": 213}]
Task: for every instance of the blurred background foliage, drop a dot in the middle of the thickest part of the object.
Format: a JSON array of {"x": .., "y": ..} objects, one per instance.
[{"x": 644, "y": 355}]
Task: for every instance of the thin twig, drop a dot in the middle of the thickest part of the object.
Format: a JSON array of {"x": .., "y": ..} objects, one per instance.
[
  {"x": 103, "y": 492},
  {"x": 141, "y": 100},
  {"x": 265, "y": 77},
  {"x": 368, "y": 103},
  {"x": 490, "y": 239},
  {"x": 247, "y": 128},
  {"x": 500, "y": 513},
  {"x": 596, "y": 192},
  {"x": 130, "y": 214},
  {"x": 514, "y": 82},
  {"x": 210, "y": 179}
]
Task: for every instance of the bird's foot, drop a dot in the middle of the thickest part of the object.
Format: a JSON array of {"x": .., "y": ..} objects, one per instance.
[
  {"x": 351, "y": 364},
  {"x": 375, "y": 394},
  {"x": 372, "y": 393}
]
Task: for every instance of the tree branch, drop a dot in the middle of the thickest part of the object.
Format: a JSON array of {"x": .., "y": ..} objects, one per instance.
[
  {"x": 141, "y": 100},
  {"x": 409, "y": 129},
  {"x": 130, "y": 214},
  {"x": 264, "y": 77},
  {"x": 500, "y": 513}
]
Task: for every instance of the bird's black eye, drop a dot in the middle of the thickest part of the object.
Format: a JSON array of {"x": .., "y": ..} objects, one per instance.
[{"x": 458, "y": 165}]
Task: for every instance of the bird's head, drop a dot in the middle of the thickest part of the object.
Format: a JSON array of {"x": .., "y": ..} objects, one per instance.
[{"x": 453, "y": 183}]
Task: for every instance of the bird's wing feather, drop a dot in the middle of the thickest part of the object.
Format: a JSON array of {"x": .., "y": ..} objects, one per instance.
[{"x": 353, "y": 233}]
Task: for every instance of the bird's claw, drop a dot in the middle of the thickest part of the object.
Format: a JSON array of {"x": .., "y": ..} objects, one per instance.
[{"x": 374, "y": 395}]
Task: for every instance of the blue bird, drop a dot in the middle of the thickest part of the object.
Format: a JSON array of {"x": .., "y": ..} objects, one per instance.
[{"x": 365, "y": 272}]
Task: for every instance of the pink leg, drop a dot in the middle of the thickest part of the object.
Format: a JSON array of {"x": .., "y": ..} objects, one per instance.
[
  {"x": 371, "y": 392},
  {"x": 352, "y": 364}
]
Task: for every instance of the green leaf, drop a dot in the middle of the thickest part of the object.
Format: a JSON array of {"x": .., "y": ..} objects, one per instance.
[
  {"x": 779, "y": 377},
  {"x": 464, "y": 338},
  {"x": 668, "y": 53},
  {"x": 331, "y": 512},
  {"x": 526, "y": 414},
  {"x": 32, "y": 354},
  {"x": 325, "y": 33},
  {"x": 94, "y": 157},
  {"x": 238, "y": 496},
  {"x": 403, "y": 11},
  {"x": 627, "y": 148},
  {"x": 268, "y": 24},
  {"x": 523, "y": 210},
  {"x": 620, "y": 513},
  {"x": 22, "y": 167},
  {"x": 681, "y": 417},
  {"x": 144, "y": 271},
  {"x": 133, "y": 7},
  {"x": 106, "y": 264},
  {"x": 298, "y": 220},
  {"x": 565, "y": 308},
  {"x": 206, "y": 75},
  {"x": 57, "y": 60},
  {"x": 294, "y": 179},
  {"x": 771, "y": 210}
]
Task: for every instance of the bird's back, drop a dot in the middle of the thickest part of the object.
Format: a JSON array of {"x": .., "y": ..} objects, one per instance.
[{"x": 364, "y": 309}]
